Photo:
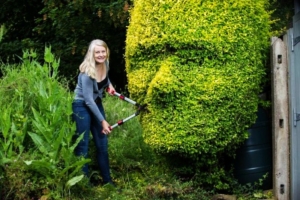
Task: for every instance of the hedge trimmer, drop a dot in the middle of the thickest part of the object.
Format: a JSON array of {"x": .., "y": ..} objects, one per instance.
[{"x": 139, "y": 109}]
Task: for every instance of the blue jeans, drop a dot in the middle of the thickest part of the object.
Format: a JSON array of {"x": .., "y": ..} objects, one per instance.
[{"x": 86, "y": 122}]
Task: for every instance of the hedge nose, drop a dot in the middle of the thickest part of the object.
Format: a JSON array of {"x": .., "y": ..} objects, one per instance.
[{"x": 199, "y": 65}]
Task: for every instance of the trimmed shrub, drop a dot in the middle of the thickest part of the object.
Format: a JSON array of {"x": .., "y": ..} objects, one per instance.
[{"x": 199, "y": 66}]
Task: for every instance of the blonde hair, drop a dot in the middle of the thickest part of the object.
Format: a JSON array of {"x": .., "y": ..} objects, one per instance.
[{"x": 88, "y": 65}]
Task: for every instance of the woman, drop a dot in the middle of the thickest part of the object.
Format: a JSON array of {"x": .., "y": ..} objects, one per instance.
[{"x": 88, "y": 112}]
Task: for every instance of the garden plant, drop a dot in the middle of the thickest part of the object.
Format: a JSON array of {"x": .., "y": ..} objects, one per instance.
[{"x": 200, "y": 67}]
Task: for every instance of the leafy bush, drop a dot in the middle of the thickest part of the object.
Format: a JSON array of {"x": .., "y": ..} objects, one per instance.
[
  {"x": 199, "y": 65},
  {"x": 36, "y": 121}
]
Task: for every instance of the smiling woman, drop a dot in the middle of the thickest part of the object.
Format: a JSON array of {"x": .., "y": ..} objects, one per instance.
[{"x": 88, "y": 111}]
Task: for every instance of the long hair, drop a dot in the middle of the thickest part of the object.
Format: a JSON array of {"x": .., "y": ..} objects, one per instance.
[{"x": 88, "y": 65}]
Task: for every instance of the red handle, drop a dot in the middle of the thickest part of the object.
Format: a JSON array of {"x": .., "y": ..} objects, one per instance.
[{"x": 108, "y": 90}]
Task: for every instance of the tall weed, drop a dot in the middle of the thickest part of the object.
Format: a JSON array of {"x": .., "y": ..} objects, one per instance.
[{"x": 36, "y": 109}]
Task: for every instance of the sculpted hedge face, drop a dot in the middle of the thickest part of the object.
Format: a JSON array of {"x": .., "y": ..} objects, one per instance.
[{"x": 100, "y": 54}]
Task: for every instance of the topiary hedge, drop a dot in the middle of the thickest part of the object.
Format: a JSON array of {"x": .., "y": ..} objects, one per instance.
[{"x": 199, "y": 66}]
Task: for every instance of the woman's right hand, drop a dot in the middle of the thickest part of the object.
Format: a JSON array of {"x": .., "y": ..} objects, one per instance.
[{"x": 106, "y": 127}]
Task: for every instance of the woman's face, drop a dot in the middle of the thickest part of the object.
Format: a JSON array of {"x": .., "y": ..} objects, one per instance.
[{"x": 100, "y": 54}]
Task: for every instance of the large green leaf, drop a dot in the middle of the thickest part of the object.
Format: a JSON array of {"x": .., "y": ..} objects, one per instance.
[
  {"x": 39, "y": 142},
  {"x": 74, "y": 180}
]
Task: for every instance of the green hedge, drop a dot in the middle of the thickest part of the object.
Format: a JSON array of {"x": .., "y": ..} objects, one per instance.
[{"x": 199, "y": 65}]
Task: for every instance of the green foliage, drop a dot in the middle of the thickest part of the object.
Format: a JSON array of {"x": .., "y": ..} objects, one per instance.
[
  {"x": 19, "y": 22},
  {"x": 282, "y": 12},
  {"x": 2, "y": 32},
  {"x": 200, "y": 79},
  {"x": 19, "y": 183},
  {"x": 252, "y": 191},
  {"x": 127, "y": 145},
  {"x": 68, "y": 26},
  {"x": 37, "y": 160},
  {"x": 36, "y": 119}
]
